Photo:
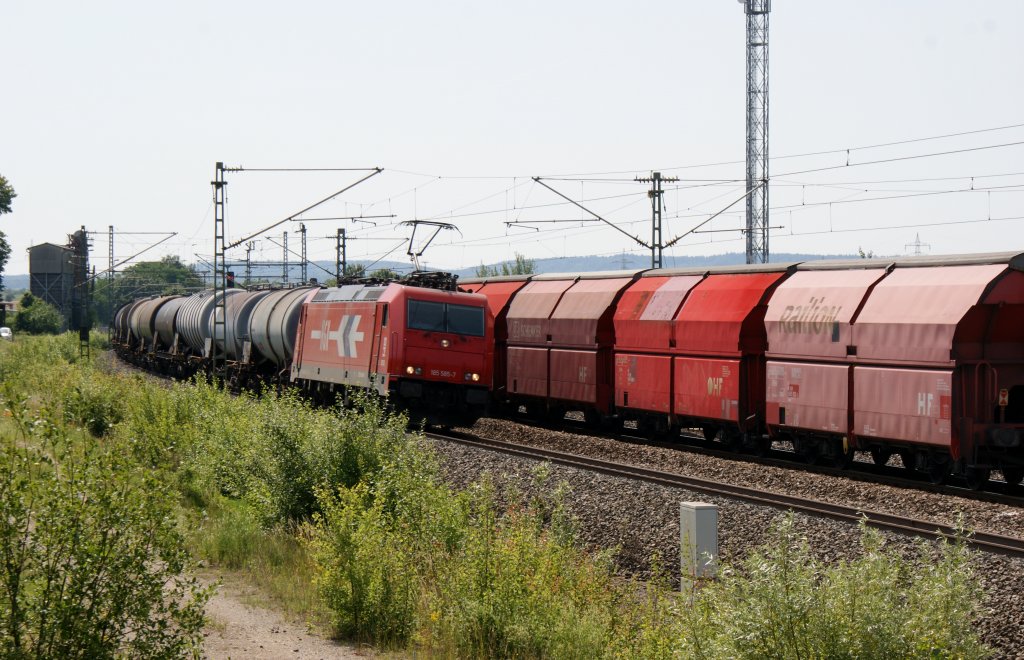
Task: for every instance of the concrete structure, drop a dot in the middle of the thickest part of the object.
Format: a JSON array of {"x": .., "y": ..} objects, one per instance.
[{"x": 698, "y": 536}]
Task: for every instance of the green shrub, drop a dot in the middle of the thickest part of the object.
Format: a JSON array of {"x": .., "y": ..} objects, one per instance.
[
  {"x": 37, "y": 317},
  {"x": 93, "y": 561},
  {"x": 366, "y": 571},
  {"x": 97, "y": 402},
  {"x": 782, "y": 602}
]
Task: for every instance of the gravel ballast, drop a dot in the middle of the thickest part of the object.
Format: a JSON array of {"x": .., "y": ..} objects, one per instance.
[{"x": 642, "y": 519}]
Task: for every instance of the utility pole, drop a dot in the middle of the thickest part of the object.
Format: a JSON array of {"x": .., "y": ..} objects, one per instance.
[
  {"x": 79, "y": 243},
  {"x": 284, "y": 244},
  {"x": 339, "y": 256},
  {"x": 249, "y": 246},
  {"x": 757, "y": 129},
  {"x": 305, "y": 270},
  {"x": 110, "y": 280},
  {"x": 655, "y": 193},
  {"x": 219, "y": 267}
]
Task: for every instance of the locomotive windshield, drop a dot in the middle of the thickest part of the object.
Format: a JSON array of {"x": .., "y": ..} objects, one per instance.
[{"x": 444, "y": 317}]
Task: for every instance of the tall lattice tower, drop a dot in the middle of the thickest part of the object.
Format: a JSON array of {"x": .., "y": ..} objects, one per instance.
[{"x": 757, "y": 129}]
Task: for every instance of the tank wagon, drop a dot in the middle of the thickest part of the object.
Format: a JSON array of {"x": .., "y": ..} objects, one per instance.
[
  {"x": 430, "y": 351},
  {"x": 921, "y": 357}
]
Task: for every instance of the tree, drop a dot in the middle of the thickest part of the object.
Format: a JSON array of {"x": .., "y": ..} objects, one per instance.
[
  {"x": 165, "y": 277},
  {"x": 37, "y": 317},
  {"x": 384, "y": 274},
  {"x": 521, "y": 266},
  {"x": 6, "y": 195}
]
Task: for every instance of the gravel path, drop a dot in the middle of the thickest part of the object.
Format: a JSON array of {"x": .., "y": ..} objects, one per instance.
[
  {"x": 238, "y": 629},
  {"x": 643, "y": 519}
]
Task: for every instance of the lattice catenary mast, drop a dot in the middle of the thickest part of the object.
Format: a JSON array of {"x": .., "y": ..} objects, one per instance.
[{"x": 757, "y": 129}]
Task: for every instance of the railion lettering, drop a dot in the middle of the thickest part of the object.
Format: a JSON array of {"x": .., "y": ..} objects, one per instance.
[{"x": 814, "y": 318}]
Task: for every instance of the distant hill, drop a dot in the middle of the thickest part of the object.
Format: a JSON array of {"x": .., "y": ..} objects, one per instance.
[
  {"x": 639, "y": 262},
  {"x": 324, "y": 270}
]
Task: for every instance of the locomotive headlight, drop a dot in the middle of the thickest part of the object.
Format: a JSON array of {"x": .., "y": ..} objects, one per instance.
[
  {"x": 476, "y": 378},
  {"x": 472, "y": 377},
  {"x": 445, "y": 343},
  {"x": 410, "y": 370}
]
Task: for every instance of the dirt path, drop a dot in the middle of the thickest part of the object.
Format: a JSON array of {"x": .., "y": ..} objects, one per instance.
[{"x": 237, "y": 629}]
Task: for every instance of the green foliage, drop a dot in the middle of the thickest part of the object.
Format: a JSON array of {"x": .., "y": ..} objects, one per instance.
[
  {"x": 93, "y": 561},
  {"x": 521, "y": 266},
  {"x": 37, "y": 317},
  {"x": 96, "y": 404},
  {"x": 169, "y": 276},
  {"x": 7, "y": 195},
  {"x": 782, "y": 602},
  {"x": 5, "y": 255},
  {"x": 385, "y": 274}
]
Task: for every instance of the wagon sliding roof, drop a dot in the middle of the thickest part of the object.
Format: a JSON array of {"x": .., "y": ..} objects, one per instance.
[
  {"x": 566, "y": 309},
  {"x": 913, "y": 314},
  {"x": 724, "y": 314}
]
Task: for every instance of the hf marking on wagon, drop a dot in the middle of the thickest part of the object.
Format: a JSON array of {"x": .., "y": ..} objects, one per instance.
[{"x": 347, "y": 336}]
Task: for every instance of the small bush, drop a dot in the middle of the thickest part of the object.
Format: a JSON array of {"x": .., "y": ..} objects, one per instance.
[{"x": 96, "y": 403}]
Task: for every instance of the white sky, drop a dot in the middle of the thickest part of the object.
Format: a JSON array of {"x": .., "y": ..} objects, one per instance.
[{"x": 114, "y": 113}]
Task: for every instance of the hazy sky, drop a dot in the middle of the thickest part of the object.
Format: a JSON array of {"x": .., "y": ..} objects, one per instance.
[{"x": 114, "y": 113}]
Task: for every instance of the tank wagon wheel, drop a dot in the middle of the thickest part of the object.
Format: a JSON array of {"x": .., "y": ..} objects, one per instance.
[
  {"x": 880, "y": 456},
  {"x": 1013, "y": 475},
  {"x": 977, "y": 478}
]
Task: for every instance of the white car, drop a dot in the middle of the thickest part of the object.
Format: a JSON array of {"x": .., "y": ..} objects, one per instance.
[{"x": 5, "y": 333}]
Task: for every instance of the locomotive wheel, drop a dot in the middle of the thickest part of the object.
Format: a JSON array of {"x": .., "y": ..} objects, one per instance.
[
  {"x": 1013, "y": 476},
  {"x": 976, "y": 478},
  {"x": 880, "y": 456}
]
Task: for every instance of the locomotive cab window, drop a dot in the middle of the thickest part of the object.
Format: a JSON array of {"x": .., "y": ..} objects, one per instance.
[
  {"x": 465, "y": 320},
  {"x": 384, "y": 316},
  {"x": 427, "y": 316},
  {"x": 442, "y": 317}
]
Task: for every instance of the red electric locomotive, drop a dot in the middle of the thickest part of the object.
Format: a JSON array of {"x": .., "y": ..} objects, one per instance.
[{"x": 430, "y": 351}]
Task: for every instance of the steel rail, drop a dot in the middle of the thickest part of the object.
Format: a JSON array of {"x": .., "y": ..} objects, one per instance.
[{"x": 995, "y": 543}]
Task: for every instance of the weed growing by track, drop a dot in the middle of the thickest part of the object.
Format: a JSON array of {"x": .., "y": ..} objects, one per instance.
[{"x": 349, "y": 502}]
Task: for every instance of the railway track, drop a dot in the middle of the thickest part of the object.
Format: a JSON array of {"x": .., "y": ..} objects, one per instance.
[
  {"x": 995, "y": 543},
  {"x": 997, "y": 492}
]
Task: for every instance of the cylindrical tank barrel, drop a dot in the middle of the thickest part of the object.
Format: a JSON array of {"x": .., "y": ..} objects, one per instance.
[
  {"x": 239, "y": 311},
  {"x": 166, "y": 318},
  {"x": 133, "y": 320},
  {"x": 274, "y": 322},
  {"x": 195, "y": 318},
  {"x": 121, "y": 322},
  {"x": 144, "y": 317}
]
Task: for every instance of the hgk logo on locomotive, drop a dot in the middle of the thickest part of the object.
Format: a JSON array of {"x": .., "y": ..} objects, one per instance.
[
  {"x": 814, "y": 318},
  {"x": 347, "y": 336}
]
